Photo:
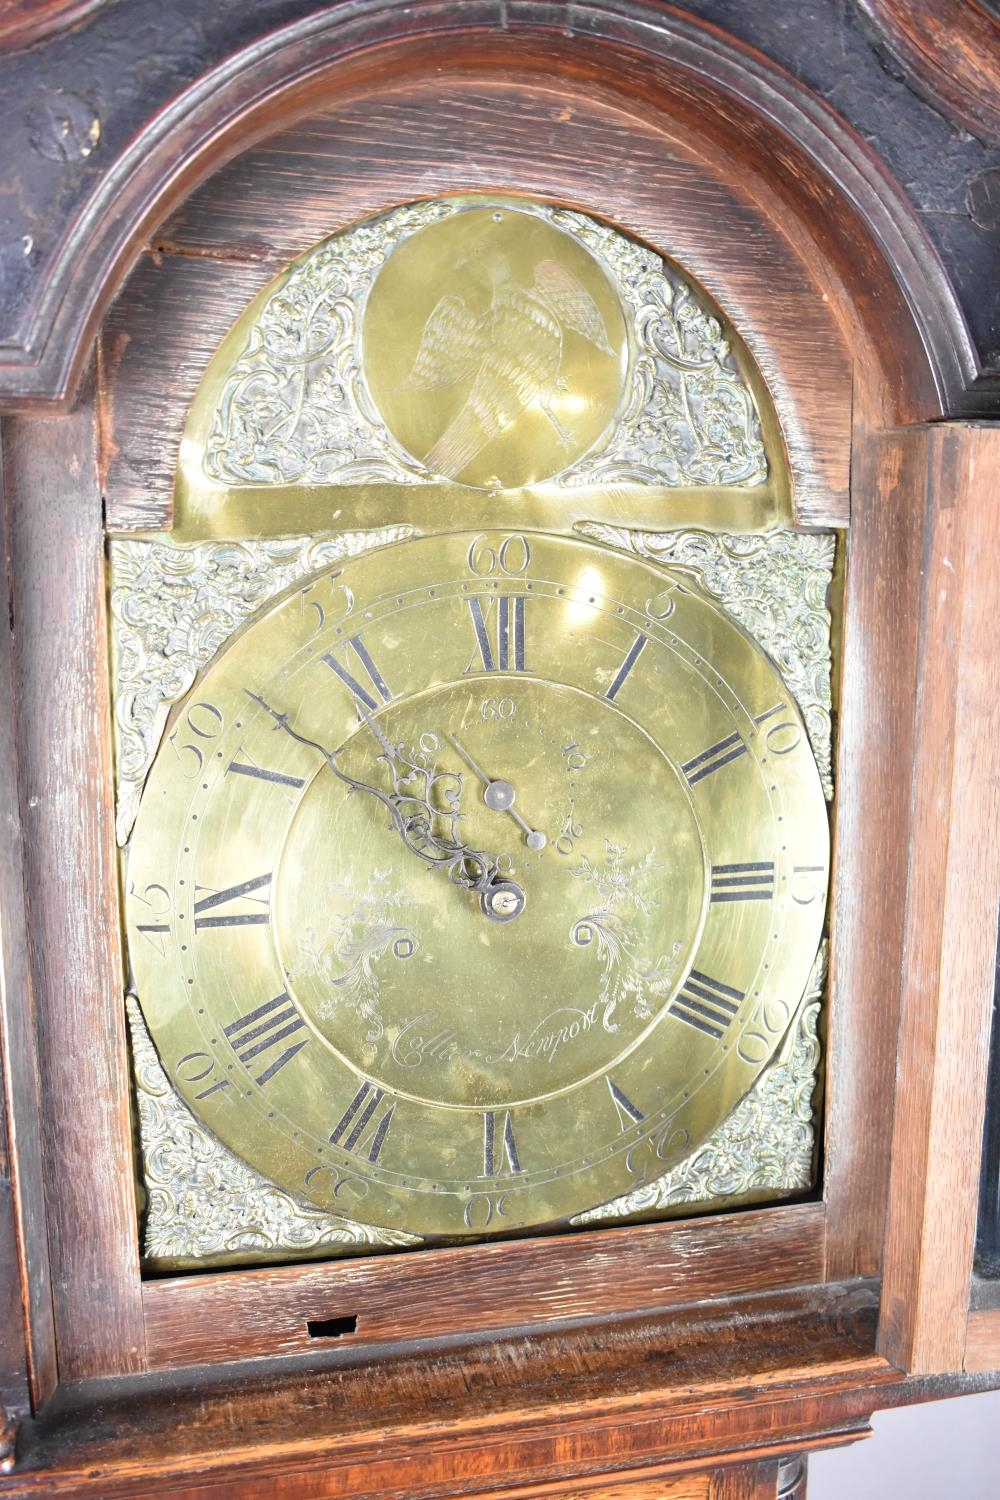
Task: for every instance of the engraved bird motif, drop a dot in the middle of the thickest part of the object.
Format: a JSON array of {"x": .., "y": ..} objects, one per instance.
[{"x": 513, "y": 351}]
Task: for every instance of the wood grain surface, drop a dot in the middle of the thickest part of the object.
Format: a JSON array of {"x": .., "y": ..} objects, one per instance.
[
  {"x": 949, "y": 51},
  {"x": 621, "y": 1360},
  {"x": 441, "y": 1294},
  {"x": 875, "y": 736},
  {"x": 954, "y": 892},
  {"x": 982, "y": 1341},
  {"x": 27, "y": 1340},
  {"x": 63, "y": 731},
  {"x": 755, "y": 1379}
]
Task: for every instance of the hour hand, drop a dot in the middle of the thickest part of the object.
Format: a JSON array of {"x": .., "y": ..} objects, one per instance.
[{"x": 414, "y": 817}]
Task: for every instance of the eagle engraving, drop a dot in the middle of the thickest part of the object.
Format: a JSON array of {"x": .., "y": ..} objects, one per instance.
[{"x": 513, "y": 353}]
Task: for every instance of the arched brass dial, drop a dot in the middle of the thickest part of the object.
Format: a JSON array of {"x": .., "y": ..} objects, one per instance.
[{"x": 475, "y": 881}]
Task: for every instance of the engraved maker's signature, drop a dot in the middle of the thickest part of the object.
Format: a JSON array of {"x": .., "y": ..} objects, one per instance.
[
  {"x": 550, "y": 1035},
  {"x": 421, "y": 1040}
]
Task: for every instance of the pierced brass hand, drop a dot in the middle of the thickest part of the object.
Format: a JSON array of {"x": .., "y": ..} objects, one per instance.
[{"x": 414, "y": 816}]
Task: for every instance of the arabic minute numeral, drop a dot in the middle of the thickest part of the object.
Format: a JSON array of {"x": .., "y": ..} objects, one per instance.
[
  {"x": 706, "y": 1004},
  {"x": 202, "y": 723},
  {"x": 362, "y": 1130},
  {"x": 376, "y": 680},
  {"x": 780, "y": 738},
  {"x": 198, "y": 1067},
  {"x": 512, "y": 557},
  {"x": 808, "y": 883},
  {"x": 234, "y": 893},
  {"x": 262, "y": 1029},
  {"x": 156, "y": 929}
]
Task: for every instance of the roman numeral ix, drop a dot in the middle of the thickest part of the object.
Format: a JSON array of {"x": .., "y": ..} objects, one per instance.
[
  {"x": 233, "y": 893},
  {"x": 706, "y": 1004},
  {"x": 263, "y": 1029}
]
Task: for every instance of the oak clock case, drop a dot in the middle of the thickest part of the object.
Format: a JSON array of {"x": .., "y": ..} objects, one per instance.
[{"x": 477, "y": 880}]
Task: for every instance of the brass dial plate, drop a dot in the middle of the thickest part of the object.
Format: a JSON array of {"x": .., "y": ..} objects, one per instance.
[{"x": 348, "y": 1017}]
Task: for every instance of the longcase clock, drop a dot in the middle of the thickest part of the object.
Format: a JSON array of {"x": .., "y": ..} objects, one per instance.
[{"x": 497, "y": 931}]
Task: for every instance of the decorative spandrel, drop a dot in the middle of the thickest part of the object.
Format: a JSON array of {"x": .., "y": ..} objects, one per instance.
[{"x": 513, "y": 348}]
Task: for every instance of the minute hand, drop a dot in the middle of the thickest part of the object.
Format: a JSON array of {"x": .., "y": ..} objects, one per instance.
[{"x": 499, "y": 796}]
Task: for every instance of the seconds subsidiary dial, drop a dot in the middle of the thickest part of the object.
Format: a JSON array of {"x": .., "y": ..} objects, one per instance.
[{"x": 475, "y": 882}]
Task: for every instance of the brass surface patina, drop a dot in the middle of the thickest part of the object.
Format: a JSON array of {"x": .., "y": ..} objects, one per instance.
[
  {"x": 475, "y": 857},
  {"x": 372, "y": 980},
  {"x": 402, "y": 368}
]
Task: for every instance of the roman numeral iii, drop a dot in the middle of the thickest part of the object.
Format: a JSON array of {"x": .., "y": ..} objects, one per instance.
[
  {"x": 358, "y": 1118},
  {"x": 749, "y": 882}
]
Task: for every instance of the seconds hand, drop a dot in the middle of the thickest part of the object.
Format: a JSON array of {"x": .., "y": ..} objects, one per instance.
[{"x": 499, "y": 797}]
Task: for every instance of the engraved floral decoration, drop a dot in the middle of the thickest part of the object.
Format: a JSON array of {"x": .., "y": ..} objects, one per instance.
[
  {"x": 173, "y": 606},
  {"x": 766, "y": 1146},
  {"x": 203, "y": 1201},
  {"x": 690, "y": 418},
  {"x": 776, "y": 585},
  {"x": 364, "y": 927},
  {"x": 295, "y": 409},
  {"x": 627, "y": 976}
]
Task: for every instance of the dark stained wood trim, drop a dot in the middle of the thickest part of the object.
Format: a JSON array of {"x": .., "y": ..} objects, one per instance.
[
  {"x": 25, "y": 22},
  {"x": 954, "y": 890},
  {"x": 63, "y": 731},
  {"x": 282, "y": 76},
  {"x": 948, "y": 50}
]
